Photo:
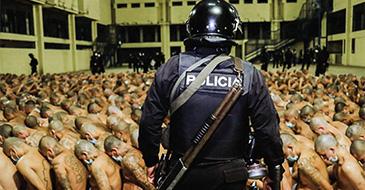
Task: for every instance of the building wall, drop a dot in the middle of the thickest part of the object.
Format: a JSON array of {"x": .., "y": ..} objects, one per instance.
[
  {"x": 15, "y": 61},
  {"x": 54, "y": 60},
  {"x": 348, "y": 57}
]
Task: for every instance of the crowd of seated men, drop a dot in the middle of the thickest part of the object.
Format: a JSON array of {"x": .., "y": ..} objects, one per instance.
[
  {"x": 72, "y": 131},
  {"x": 80, "y": 131}
]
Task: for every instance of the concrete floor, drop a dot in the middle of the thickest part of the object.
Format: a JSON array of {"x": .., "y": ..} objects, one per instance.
[{"x": 333, "y": 69}]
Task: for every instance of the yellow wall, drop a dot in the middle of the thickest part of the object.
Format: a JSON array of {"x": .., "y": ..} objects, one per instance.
[
  {"x": 254, "y": 12},
  {"x": 15, "y": 61},
  {"x": 83, "y": 59},
  {"x": 291, "y": 10},
  {"x": 347, "y": 57},
  {"x": 57, "y": 61},
  {"x": 105, "y": 12},
  {"x": 143, "y": 15},
  {"x": 358, "y": 58}
]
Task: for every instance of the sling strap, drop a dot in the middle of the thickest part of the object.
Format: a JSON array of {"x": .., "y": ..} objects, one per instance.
[{"x": 195, "y": 85}]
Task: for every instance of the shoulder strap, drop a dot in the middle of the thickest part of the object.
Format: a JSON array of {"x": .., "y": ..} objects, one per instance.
[
  {"x": 182, "y": 76},
  {"x": 195, "y": 85}
]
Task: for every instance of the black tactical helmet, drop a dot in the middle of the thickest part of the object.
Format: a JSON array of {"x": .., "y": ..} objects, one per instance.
[{"x": 213, "y": 22}]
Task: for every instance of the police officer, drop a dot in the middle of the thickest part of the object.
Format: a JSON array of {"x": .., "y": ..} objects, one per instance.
[{"x": 211, "y": 26}]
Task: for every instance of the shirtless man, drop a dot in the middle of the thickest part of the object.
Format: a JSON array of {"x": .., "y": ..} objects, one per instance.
[
  {"x": 31, "y": 136},
  {"x": 94, "y": 135},
  {"x": 121, "y": 131},
  {"x": 70, "y": 172},
  {"x": 294, "y": 122},
  {"x": 308, "y": 166},
  {"x": 12, "y": 116},
  {"x": 345, "y": 167},
  {"x": 320, "y": 127},
  {"x": 5, "y": 132},
  {"x": 357, "y": 150},
  {"x": 306, "y": 113},
  {"x": 130, "y": 160},
  {"x": 355, "y": 132},
  {"x": 11, "y": 179},
  {"x": 65, "y": 137},
  {"x": 102, "y": 168},
  {"x": 30, "y": 163},
  {"x": 95, "y": 115}
]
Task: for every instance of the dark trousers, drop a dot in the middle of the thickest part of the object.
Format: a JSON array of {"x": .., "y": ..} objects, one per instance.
[
  {"x": 34, "y": 70},
  {"x": 225, "y": 176}
]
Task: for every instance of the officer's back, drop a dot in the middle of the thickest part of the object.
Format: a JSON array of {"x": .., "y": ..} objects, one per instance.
[{"x": 221, "y": 165}]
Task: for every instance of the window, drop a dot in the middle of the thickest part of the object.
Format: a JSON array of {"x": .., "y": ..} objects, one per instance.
[
  {"x": 353, "y": 45},
  {"x": 121, "y": 5},
  {"x": 336, "y": 22},
  {"x": 136, "y": 5},
  {"x": 16, "y": 17},
  {"x": 151, "y": 33},
  {"x": 359, "y": 17},
  {"x": 191, "y": 3},
  {"x": 133, "y": 34},
  {"x": 149, "y": 4},
  {"x": 55, "y": 23},
  {"x": 177, "y": 3},
  {"x": 259, "y": 30},
  {"x": 178, "y": 32},
  {"x": 16, "y": 44},
  {"x": 291, "y": 1},
  {"x": 234, "y": 1},
  {"x": 335, "y": 46},
  {"x": 83, "y": 29},
  {"x": 248, "y": 1},
  {"x": 56, "y": 46},
  {"x": 261, "y": 1}
]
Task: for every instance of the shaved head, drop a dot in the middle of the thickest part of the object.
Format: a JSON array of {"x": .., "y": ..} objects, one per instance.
[
  {"x": 317, "y": 121},
  {"x": 357, "y": 148},
  {"x": 325, "y": 142},
  {"x": 5, "y": 130},
  {"x": 292, "y": 113},
  {"x": 355, "y": 131},
  {"x": 88, "y": 128},
  {"x": 56, "y": 125},
  {"x": 111, "y": 142},
  {"x": 79, "y": 121},
  {"x": 83, "y": 146},
  {"x": 12, "y": 142},
  {"x": 288, "y": 139},
  {"x": 121, "y": 126},
  {"x": 47, "y": 142},
  {"x": 18, "y": 129},
  {"x": 306, "y": 110},
  {"x": 31, "y": 121},
  {"x": 362, "y": 112}
]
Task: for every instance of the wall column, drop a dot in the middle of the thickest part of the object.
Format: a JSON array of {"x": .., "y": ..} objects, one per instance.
[
  {"x": 38, "y": 32},
  {"x": 348, "y": 32},
  {"x": 165, "y": 40},
  {"x": 94, "y": 30},
  {"x": 72, "y": 36}
]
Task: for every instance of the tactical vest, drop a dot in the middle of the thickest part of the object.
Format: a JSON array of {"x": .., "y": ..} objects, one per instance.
[{"x": 231, "y": 138}]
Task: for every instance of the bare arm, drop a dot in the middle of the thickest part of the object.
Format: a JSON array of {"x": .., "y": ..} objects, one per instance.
[
  {"x": 30, "y": 175},
  {"x": 101, "y": 178},
  {"x": 354, "y": 176},
  {"x": 313, "y": 174},
  {"x": 130, "y": 163}
]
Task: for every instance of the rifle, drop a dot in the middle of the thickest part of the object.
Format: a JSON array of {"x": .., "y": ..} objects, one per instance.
[{"x": 201, "y": 139}]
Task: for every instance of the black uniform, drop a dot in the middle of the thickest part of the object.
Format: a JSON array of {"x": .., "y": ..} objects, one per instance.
[
  {"x": 230, "y": 141},
  {"x": 221, "y": 164},
  {"x": 33, "y": 64}
]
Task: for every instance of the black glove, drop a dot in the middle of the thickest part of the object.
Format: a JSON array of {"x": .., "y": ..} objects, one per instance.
[{"x": 276, "y": 174}]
